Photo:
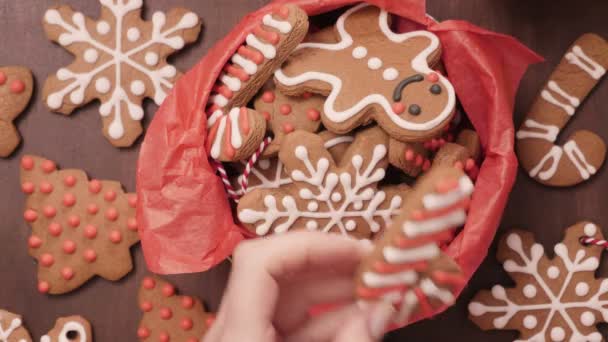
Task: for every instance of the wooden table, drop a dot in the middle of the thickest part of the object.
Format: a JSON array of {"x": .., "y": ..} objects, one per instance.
[{"x": 548, "y": 26}]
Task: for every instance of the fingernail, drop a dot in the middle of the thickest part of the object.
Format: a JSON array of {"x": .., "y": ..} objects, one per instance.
[{"x": 379, "y": 319}]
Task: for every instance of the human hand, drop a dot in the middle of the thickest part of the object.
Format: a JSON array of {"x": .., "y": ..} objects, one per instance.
[{"x": 275, "y": 281}]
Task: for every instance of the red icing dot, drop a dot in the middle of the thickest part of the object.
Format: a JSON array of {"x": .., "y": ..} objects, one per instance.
[
  {"x": 149, "y": 283},
  {"x": 30, "y": 215},
  {"x": 55, "y": 229},
  {"x": 427, "y": 144},
  {"x": 2, "y": 78},
  {"x": 284, "y": 12},
  {"x": 186, "y": 324},
  {"x": 49, "y": 211},
  {"x": 90, "y": 255},
  {"x": 143, "y": 332},
  {"x": 28, "y": 187},
  {"x": 441, "y": 142},
  {"x": 166, "y": 313},
  {"x": 187, "y": 302},
  {"x": 409, "y": 155},
  {"x": 69, "y": 180},
  {"x": 132, "y": 224},
  {"x": 69, "y": 200},
  {"x": 306, "y": 95},
  {"x": 168, "y": 290},
  {"x": 268, "y": 96},
  {"x": 112, "y": 214},
  {"x": 46, "y": 187},
  {"x": 146, "y": 306},
  {"x": 419, "y": 160},
  {"x": 163, "y": 337},
  {"x": 69, "y": 247},
  {"x": 313, "y": 114},
  {"x": 398, "y": 107},
  {"x": 46, "y": 260},
  {"x": 34, "y": 241},
  {"x": 433, "y": 77},
  {"x": 43, "y": 287},
  {"x": 27, "y": 163},
  {"x": 17, "y": 87},
  {"x": 266, "y": 116},
  {"x": 92, "y": 208},
  {"x": 417, "y": 215},
  {"x": 210, "y": 320},
  {"x": 67, "y": 273},
  {"x": 90, "y": 231},
  {"x": 95, "y": 186},
  {"x": 74, "y": 221},
  {"x": 132, "y": 201},
  {"x": 48, "y": 166},
  {"x": 287, "y": 127},
  {"x": 285, "y": 109},
  {"x": 426, "y": 165},
  {"x": 446, "y": 185},
  {"x": 110, "y": 195},
  {"x": 469, "y": 164},
  {"x": 115, "y": 236},
  {"x": 434, "y": 144}
]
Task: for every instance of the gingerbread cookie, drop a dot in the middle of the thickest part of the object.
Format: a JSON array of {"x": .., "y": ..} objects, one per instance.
[
  {"x": 576, "y": 75},
  {"x": 556, "y": 299},
  {"x": 16, "y": 86},
  {"x": 69, "y": 329},
  {"x": 12, "y": 329},
  {"x": 232, "y": 134},
  {"x": 411, "y": 158},
  {"x": 168, "y": 317},
  {"x": 80, "y": 228},
  {"x": 463, "y": 154},
  {"x": 372, "y": 73},
  {"x": 286, "y": 114},
  {"x": 120, "y": 59},
  {"x": 407, "y": 266}
]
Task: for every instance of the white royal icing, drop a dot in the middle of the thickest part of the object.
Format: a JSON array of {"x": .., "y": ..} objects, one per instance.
[
  {"x": 545, "y": 132},
  {"x": 375, "y": 280},
  {"x": 280, "y": 25},
  {"x": 268, "y": 50},
  {"x": 13, "y": 325},
  {"x": 578, "y": 159},
  {"x": 554, "y": 156},
  {"x": 63, "y": 334},
  {"x": 579, "y": 58},
  {"x": 572, "y": 102}
]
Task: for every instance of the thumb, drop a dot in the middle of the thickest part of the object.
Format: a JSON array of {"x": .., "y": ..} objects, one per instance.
[{"x": 368, "y": 325}]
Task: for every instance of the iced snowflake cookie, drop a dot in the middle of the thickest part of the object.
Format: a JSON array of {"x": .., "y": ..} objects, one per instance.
[
  {"x": 80, "y": 228},
  {"x": 556, "y": 299},
  {"x": 16, "y": 86},
  {"x": 583, "y": 152},
  {"x": 233, "y": 135},
  {"x": 120, "y": 59},
  {"x": 407, "y": 266},
  {"x": 327, "y": 196},
  {"x": 169, "y": 317},
  {"x": 73, "y": 329},
  {"x": 372, "y": 73},
  {"x": 12, "y": 329}
]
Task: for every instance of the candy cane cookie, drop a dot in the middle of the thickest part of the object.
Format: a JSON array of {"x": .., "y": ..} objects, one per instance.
[
  {"x": 235, "y": 132},
  {"x": 583, "y": 152},
  {"x": 407, "y": 266}
]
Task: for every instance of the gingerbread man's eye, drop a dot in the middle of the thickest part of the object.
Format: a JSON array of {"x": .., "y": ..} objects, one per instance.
[
  {"x": 435, "y": 89},
  {"x": 414, "y": 109}
]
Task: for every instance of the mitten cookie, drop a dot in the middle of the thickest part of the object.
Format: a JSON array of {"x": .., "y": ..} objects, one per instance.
[
  {"x": 372, "y": 73},
  {"x": 568, "y": 86},
  {"x": 120, "y": 59},
  {"x": 286, "y": 114},
  {"x": 327, "y": 196},
  {"x": 69, "y": 329},
  {"x": 12, "y": 329},
  {"x": 407, "y": 266},
  {"x": 168, "y": 317},
  {"x": 16, "y": 86},
  {"x": 80, "y": 228},
  {"x": 234, "y": 135},
  {"x": 554, "y": 299}
]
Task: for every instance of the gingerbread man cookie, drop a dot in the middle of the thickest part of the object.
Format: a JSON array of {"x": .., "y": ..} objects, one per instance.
[
  {"x": 235, "y": 132},
  {"x": 554, "y": 299},
  {"x": 372, "y": 73},
  {"x": 407, "y": 266},
  {"x": 584, "y": 152},
  {"x": 80, "y": 228},
  {"x": 16, "y": 86},
  {"x": 327, "y": 196},
  {"x": 120, "y": 59}
]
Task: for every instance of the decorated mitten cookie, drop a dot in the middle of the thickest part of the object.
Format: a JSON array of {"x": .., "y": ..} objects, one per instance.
[
  {"x": 120, "y": 59},
  {"x": 169, "y": 317},
  {"x": 12, "y": 329},
  {"x": 554, "y": 299},
  {"x": 69, "y": 329},
  {"x": 233, "y": 135},
  {"x": 80, "y": 228},
  {"x": 16, "y": 86},
  {"x": 325, "y": 195},
  {"x": 583, "y": 152},
  {"x": 372, "y": 73},
  {"x": 407, "y": 266}
]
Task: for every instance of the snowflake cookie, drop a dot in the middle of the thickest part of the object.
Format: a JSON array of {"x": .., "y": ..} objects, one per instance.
[
  {"x": 555, "y": 299},
  {"x": 120, "y": 59},
  {"x": 327, "y": 196},
  {"x": 73, "y": 328},
  {"x": 16, "y": 86}
]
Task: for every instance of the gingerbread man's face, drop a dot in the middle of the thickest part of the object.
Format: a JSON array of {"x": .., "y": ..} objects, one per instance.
[{"x": 372, "y": 73}]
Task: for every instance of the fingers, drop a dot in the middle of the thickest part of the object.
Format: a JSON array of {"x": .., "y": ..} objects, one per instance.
[
  {"x": 324, "y": 327},
  {"x": 367, "y": 325}
]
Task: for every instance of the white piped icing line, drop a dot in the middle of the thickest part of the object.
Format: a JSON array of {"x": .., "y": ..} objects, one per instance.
[
  {"x": 569, "y": 106},
  {"x": 579, "y": 58},
  {"x": 227, "y": 132},
  {"x": 6, "y": 333},
  {"x": 541, "y": 131}
]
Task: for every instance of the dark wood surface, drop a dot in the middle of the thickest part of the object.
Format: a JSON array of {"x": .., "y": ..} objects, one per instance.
[{"x": 548, "y": 26}]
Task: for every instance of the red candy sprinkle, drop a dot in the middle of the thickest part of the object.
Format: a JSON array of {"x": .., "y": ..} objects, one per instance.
[
  {"x": 112, "y": 214},
  {"x": 49, "y": 211},
  {"x": 46, "y": 187},
  {"x": 90, "y": 231},
  {"x": 132, "y": 201},
  {"x": 55, "y": 229},
  {"x": 90, "y": 255},
  {"x": 426, "y": 165},
  {"x": 27, "y": 163},
  {"x": 74, "y": 221},
  {"x": 132, "y": 224},
  {"x": 285, "y": 109},
  {"x": 469, "y": 164},
  {"x": 92, "y": 208},
  {"x": 28, "y": 187},
  {"x": 69, "y": 200},
  {"x": 284, "y": 12},
  {"x": 67, "y": 273},
  {"x": 266, "y": 116},
  {"x": 69, "y": 180},
  {"x": 409, "y": 155},
  {"x": 17, "y": 87},
  {"x": 268, "y": 97},
  {"x": 149, "y": 283},
  {"x": 95, "y": 186},
  {"x": 2, "y": 78},
  {"x": 110, "y": 195},
  {"x": 433, "y": 77},
  {"x": 48, "y": 166},
  {"x": 47, "y": 260},
  {"x": 187, "y": 302},
  {"x": 69, "y": 246},
  {"x": 146, "y": 306},
  {"x": 419, "y": 160},
  {"x": 210, "y": 320},
  {"x": 186, "y": 324},
  {"x": 115, "y": 236},
  {"x": 459, "y": 165},
  {"x": 34, "y": 241},
  {"x": 163, "y": 337},
  {"x": 446, "y": 185},
  {"x": 30, "y": 215},
  {"x": 398, "y": 107},
  {"x": 166, "y": 313},
  {"x": 306, "y": 95},
  {"x": 288, "y": 128},
  {"x": 43, "y": 287},
  {"x": 313, "y": 114},
  {"x": 168, "y": 290},
  {"x": 143, "y": 332}
]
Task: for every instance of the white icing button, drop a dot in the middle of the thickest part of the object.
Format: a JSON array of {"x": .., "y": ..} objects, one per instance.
[
  {"x": 138, "y": 88},
  {"x": 587, "y": 318},
  {"x": 529, "y": 291},
  {"x": 530, "y": 322},
  {"x": 359, "y": 52},
  {"x": 102, "y": 85},
  {"x": 581, "y": 289},
  {"x": 590, "y": 229},
  {"x": 390, "y": 74},
  {"x": 312, "y": 206},
  {"x": 264, "y": 164},
  {"x": 558, "y": 334},
  {"x": 133, "y": 34},
  {"x": 374, "y": 63},
  {"x": 90, "y": 56},
  {"x": 103, "y": 27},
  {"x": 358, "y": 205},
  {"x": 151, "y": 58},
  {"x": 336, "y": 197},
  {"x": 350, "y": 225},
  {"x": 553, "y": 272},
  {"x": 311, "y": 225}
]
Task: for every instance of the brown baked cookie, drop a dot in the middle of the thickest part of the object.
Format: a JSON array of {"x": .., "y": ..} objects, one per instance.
[
  {"x": 16, "y": 86},
  {"x": 69, "y": 329},
  {"x": 407, "y": 266},
  {"x": 373, "y": 74},
  {"x": 286, "y": 114},
  {"x": 169, "y": 317},
  {"x": 410, "y": 157},
  {"x": 232, "y": 136},
  {"x": 554, "y": 299},
  {"x": 120, "y": 59},
  {"x": 12, "y": 329},
  {"x": 327, "y": 196},
  {"x": 584, "y": 152},
  {"x": 80, "y": 228}
]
